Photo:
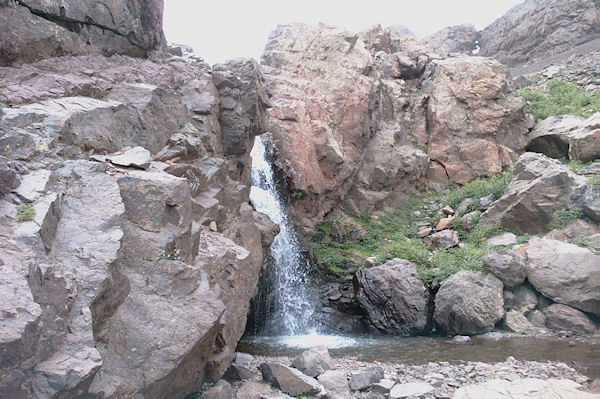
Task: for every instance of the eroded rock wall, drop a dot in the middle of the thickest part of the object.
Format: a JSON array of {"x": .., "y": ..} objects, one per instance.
[{"x": 122, "y": 280}]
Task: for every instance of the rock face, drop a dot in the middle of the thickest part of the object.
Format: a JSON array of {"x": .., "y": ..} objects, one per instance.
[
  {"x": 393, "y": 298},
  {"x": 50, "y": 28},
  {"x": 118, "y": 284},
  {"x": 468, "y": 303},
  {"x": 454, "y": 39},
  {"x": 359, "y": 121},
  {"x": 565, "y": 273},
  {"x": 539, "y": 29},
  {"x": 540, "y": 187}
]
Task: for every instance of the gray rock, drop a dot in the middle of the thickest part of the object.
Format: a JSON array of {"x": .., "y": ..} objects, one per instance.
[
  {"x": 537, "y": 318},
  {"x": 469, "y": 220},
  {"x": 335, "y": 383},
  {"x": 565, "y": 318},
  {"x": 464, "y": 205},
  {"x": 314, "y": 361},
  {"x": 383, "y": 387},
  {"x": 468, "y": 303},
  {"x": 565, "y": 273},
  {"x": 454, "y": 39},
  {"x": 461, "y": 340},
  {"x": 550, "y": 136},
  {"x": 366, "y": 378},
  {"x": 9, "y": 175},
  {"x": 242, "y": 358},
  {"x": 138, "y": 157},
  {"x": 584, "y": 143},
  {"x": 507, "y": 265},
  {"x": 410, "y": 389},
  {"x": 221, "y": 390},
  {"x": 34, "y": 185},
  {"x": 517, "y": 322},
  {"x": 289, "y": 380},
  {"x": 443, "y": 239},
  {"x": 238, "y": 372},
  {"x": 393, "y": 298},
  {"x": 525, "y": 388},
  {"x": 524, "y": 299},
  {"x": 492, "y": 335},
  {"x": 591, "y": 202},
  {"x": 502, "y": 240},
  {"x": 540, "y": 187},
  {"x": 486, "y": 202}
]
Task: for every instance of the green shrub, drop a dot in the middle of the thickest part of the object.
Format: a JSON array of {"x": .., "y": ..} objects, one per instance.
[
  {"x": 25, "y": 212},
  {"x": 478, "y": 188},
  {"x": 560, "y": 98},
  {"x": 576, "y": 164},
  {"x": 594, "y": 180},
  {"x": 562, "y": 217}
]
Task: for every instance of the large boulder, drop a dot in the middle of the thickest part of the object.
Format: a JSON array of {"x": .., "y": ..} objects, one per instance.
[
  {"x": 507, "y": 265},
  {"x": 393, "y": 298},
  {"x": 540, "y": 187},
  {"x": 538, "y": 29},
  {"x": 476, "y": 123},
  {"x": 314, "y": 361},
  {"x": 591, "y": 202},
  {"x": 335, "y": 383},
  {"x": 565, "y": 273},
  {"x": 468, "y": 303},
  {"x": 565, "y": 318},
  {"x": 70, "y": 27}
]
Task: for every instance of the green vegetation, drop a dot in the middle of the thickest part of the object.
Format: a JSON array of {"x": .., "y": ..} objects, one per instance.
[
  {"x": 220, "y": 67},
  {"x": 25, "y": 212},
  {"x": 576, "y": 164},
  {"x": 560, "y": 98},
  {"x": 3, "y": 100},
  {"x": 594, "y": 180},
  {"x": 394, "y": 235},
  {"x": 562, "y": 217},
  {"x": 169, "y": 255}
]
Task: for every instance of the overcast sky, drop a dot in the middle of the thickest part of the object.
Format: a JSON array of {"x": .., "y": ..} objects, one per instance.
[{"x": 219, "y": 30}]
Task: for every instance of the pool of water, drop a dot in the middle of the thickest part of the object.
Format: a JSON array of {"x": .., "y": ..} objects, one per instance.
[{"x": 583, "y": 356}]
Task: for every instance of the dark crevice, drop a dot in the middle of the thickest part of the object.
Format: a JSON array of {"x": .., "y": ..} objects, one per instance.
[{"x": 73, "y": 25}]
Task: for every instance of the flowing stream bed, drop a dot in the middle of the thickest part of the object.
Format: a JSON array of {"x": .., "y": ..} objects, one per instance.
[{"x": 584, "y": 356}]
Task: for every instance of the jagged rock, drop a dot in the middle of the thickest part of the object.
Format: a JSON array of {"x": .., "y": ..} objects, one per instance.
[
  {"x": 366, "y": 378},
  {"x": 517, "y": 322},
  {"x": 524, "y": 299},
  {"x": 382, "y": 387},
  {"x": 314, "y": 361},
  {"x": 469, "y": 220},
  {"x": 550, "y": 136},
  {"x": 525, "y": 388},
  {"x": 242, "y": 358},
  {"x": 497, "y": 129},
  {"x": 394, "y": 299},
  {"x": 502, "y": 240},
  {"x": 221, "y": 390},
  {"x": 591, "y": 202},
  {"x": 238, "y": 372},
  {"x": 138, "y": 157},
  {"x": 289, "y": 380},
  {"x": 565, "y": 273},
  {"x": 468, "y": 303},
  {"x": 35, "y": 184},
  {"x": 102, "y": 27},
  {"x": 343, "y": 227},
  {"x": 507, "y": 265},
  {"x": 443, "y": 239},
  {"x": 454, "y": 39},
  {"x": 565, "y": 318},
  {"x": 540, "y": 187},
  {"x": 575, "y": 229},
  {"x": 486, "y": 202},
  {"x": 9, "y": 175},
  {"x": 335, "y": 383},
  {"x": 539, "y": 29},
  {"x": 410, "y": 389}
]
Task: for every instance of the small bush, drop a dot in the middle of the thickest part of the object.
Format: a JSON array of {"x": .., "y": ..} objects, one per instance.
[
  {"x": 479, "y": 188},
  {"x": 25, "y": 213},
  {"x": 562, "y": 218},
  {"x": 576, "y": 164},
  {"x": 560, "y": 98},
  {"x": 594, "y": 180}
]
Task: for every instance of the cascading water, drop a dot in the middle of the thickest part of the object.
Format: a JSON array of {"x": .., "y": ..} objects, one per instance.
[{"x": 285, "y": 298}]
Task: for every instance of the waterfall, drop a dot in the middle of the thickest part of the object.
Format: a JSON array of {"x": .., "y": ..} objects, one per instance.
[{"x": 285, "y": 297}]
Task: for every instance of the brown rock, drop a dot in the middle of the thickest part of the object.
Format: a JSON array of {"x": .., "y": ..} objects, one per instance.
[
  {"x": 565, "y": 318},
  {"x": 444, "y": 223},
  {"x": 443, "y": 239}
]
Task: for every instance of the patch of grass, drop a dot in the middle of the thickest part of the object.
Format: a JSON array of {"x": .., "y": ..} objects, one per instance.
[
  {"x": 562, "y": 217},
  {"x": 394, "y": 235},
  {"x": 560, "y": 98},
  {"x": 220, "y": 67},
  {"x": 478, "y": 188},
  {"x": 25, "y": 212},
  {"x": 594, "y": 180},
  {"x": 576, "y": 164}
]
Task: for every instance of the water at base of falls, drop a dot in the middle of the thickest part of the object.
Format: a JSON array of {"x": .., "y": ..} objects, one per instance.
[{"x": 284, "y": 298}]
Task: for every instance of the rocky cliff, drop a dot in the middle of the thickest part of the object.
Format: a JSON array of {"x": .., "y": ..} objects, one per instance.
[
  {"x": 128, "y": 250},
  {"x": 360, "y": 121}
]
